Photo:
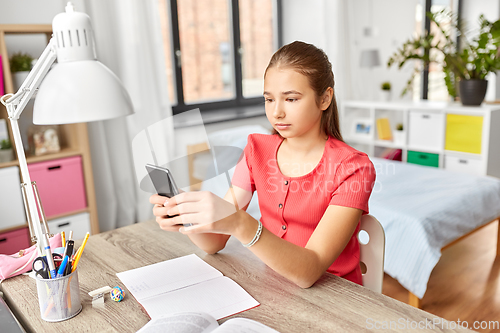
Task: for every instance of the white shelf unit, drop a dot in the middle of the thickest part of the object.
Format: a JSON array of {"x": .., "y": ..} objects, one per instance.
[{"x": 439, "y": 134}]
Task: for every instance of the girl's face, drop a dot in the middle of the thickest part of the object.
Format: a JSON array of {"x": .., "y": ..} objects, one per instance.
[{"x": 291, "y": 105}]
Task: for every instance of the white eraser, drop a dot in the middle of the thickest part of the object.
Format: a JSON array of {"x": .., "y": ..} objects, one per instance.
[{"x": 99, "y": 291}]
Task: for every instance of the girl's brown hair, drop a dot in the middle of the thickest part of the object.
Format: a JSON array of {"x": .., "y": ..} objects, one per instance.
[{"x": 312, "y": 62}]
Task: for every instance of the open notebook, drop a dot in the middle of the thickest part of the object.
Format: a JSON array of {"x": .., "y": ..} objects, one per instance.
[
  {"x": 194, "y": 322},
  {"x": 186, "y": 284}
]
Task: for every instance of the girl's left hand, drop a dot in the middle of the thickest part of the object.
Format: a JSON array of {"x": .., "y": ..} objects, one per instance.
[{"x": 207, "y": 213}]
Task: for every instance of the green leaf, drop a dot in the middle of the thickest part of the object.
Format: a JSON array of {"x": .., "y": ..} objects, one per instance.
[{"x": 20, "y": 62}]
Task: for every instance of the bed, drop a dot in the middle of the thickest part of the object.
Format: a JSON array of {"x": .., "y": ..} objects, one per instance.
[{"x": 423, "y": 209}]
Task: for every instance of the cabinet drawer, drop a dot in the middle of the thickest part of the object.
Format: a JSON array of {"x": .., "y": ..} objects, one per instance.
[
  {"x": 464, "y": 165},
  {"x": 12, "y": 212},
  {"x": 61, "y": 186},
  {"x": 426, "y": 130},
  {"x": 79, "y": 224},
  {"x": 13, "y": 241},
  {"x": 463, "y": 133},
  {"x": 427, "y": 159}
]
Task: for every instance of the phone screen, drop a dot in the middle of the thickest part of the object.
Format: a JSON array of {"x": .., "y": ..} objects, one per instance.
[{"x": 162, "y": 182}]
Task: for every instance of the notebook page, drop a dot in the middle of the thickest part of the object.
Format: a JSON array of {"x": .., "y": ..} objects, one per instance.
[
  {"x": 243, "y": 325},
  {"x": 192, "y": 322},
  {"x": 166, "y": 276},
  {"x": 219, "y": 298}
]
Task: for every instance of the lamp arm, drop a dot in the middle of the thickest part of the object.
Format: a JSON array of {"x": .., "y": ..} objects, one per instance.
[
  {"x": 15, "y": 104},
  {"x": 20, "y": 99}
]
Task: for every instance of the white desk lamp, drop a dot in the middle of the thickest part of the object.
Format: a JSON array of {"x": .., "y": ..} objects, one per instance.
[{"x": 77, "y": 89}]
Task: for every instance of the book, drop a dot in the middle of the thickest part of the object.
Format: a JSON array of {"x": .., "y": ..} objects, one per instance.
[
  {"x": 393, "y": 154},
  {"x": 384, "y": 129},
  {"x": 186, "y": 284},
  {"x": 194, "y": 322}
]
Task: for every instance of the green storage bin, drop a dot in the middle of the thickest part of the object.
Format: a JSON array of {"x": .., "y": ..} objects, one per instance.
[{"x": 427, "y": 159}]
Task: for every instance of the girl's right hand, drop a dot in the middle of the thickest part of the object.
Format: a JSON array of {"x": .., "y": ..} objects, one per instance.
[{"x": 165, "y": 222}]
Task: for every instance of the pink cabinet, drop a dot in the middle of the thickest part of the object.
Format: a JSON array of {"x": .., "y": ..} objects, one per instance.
[
  {"x": 61, "y": 185},
  {"x": 13, "y": 241}
]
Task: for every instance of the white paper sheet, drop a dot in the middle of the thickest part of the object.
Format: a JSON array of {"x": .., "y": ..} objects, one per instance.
[
  {"x": 186, "y": 284},
  {"x": 162, "y": 277}
]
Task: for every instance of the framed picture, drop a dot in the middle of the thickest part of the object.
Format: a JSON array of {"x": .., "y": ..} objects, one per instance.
[
  {"x": 361, "y": 127},
  {"x": 43, "y": 139}
]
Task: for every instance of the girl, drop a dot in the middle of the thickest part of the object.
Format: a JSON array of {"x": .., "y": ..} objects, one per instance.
[{"x": 313, "y": 188}]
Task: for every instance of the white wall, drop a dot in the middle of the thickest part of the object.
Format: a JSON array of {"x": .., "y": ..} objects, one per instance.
[
  {"x": 393, "y": 23},
  {"x": 471, "y": 9},
  {"x": 336, "y": 27},
  {"x": 304, "y": 21}
]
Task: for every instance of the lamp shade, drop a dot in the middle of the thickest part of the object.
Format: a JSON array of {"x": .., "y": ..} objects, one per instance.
[
  {"x": 78, "y": 88},
  {"x": 80, "y": 91},
  {"x": 370, "y": 58}
]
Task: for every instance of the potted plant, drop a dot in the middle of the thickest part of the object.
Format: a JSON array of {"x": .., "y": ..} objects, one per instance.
[
  {"x": 6, "y": 153},
  {"x": 20, "y": 66},
  {"x": 466, "y": 66},
  {"x": 399, "y": 134},
  {"x": 386, "y": 91}
]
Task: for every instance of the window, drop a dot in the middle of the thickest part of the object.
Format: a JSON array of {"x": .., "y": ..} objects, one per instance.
[
  {"x": 216, "y": 51},
  {"x": 430, "y": 83}
]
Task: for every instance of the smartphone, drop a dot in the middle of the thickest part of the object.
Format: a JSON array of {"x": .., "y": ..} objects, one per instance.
[
  {"x": 163, "y": 180},
  {"x": 164, "y": 183}
]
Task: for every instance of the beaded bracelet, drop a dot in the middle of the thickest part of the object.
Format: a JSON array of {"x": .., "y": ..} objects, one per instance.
[{"x": 256, "y": 237}]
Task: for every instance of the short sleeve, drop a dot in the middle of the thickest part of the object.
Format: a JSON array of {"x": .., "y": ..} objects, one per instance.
[
  {"x": 355, "y": 177},
  {"x": 243, "y": 177}
]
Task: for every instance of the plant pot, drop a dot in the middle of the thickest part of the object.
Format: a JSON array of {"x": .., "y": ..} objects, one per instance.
[
  {"x": 472, "y": 92},
  {"x": 6, "y": 155},
  {"x": 385, "y": 95},
  {"x": 18, "y": 79},
  {"x": 399, "y": 137}
]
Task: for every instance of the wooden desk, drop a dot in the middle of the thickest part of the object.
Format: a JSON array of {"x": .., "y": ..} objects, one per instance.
[{"x": 331, "y": 305}]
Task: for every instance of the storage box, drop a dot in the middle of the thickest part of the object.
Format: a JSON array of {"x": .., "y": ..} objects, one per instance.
[
  {"x": 79, "y": 224},
  {"x": 13, "y": 241},
  {"x": 61, "y": 185},
  {"x": 473, "y": 166},
  {"x": 463, "y": 133},
  {"x": 426, "y": 130},
  {"x": 427, "y": 159},
  {"x": 12, "y": 211}
]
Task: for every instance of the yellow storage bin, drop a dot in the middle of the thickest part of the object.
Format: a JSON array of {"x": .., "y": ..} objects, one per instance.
[{"x": 463, "y": 133}]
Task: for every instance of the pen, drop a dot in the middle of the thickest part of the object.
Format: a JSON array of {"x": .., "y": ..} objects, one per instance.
[
  {"x": 60, "y": 273},
  {"x": 79, "y": 253},
  {"x": 48, "y": 255},
  {"x": 68, "y": 251},
  {"x": 63, "y": 238}
]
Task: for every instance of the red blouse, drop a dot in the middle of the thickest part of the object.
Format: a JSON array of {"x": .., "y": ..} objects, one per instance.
[{"x": 292, "y": 207}]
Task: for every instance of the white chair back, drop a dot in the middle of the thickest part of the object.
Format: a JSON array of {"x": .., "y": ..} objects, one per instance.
[{"x": 372, "y": 253}]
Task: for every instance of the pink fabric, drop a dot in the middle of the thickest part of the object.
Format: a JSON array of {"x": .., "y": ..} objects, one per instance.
[
  {"x": 292, "y": 207},
  {"x": 15, "y": 264}
]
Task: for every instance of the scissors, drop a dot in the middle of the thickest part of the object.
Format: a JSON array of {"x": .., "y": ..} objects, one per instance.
[{"x": 41, "y": 267}]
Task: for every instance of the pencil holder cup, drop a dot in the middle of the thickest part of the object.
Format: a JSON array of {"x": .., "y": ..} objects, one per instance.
[{"x": 59, "y": 298}]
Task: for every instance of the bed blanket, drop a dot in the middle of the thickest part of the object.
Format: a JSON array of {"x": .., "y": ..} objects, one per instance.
[{"x": 423, "y": 209}]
